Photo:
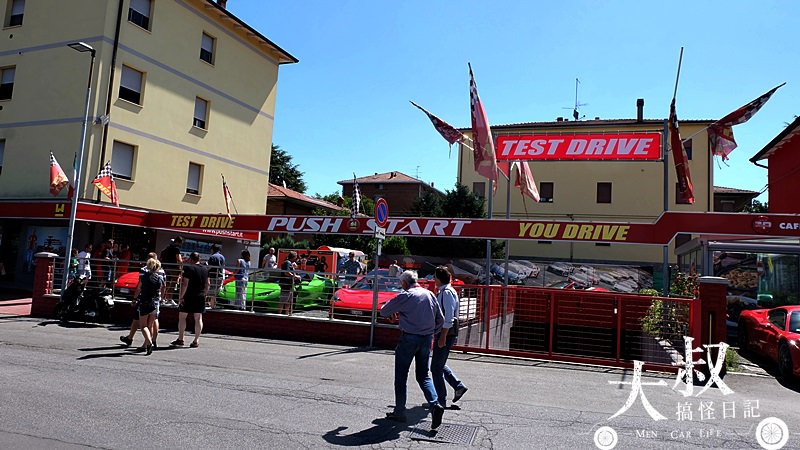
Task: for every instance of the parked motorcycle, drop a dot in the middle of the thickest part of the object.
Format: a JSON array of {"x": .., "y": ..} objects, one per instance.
[{"x": 82, "y": 303}]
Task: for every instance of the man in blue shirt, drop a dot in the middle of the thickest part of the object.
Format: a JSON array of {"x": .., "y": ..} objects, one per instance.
[
  {"x": 216, "y": 274},
  {"x": 420, "y": 318},
  {"x": 351, "y": 268},
  {"x": 444, "y": 341}
]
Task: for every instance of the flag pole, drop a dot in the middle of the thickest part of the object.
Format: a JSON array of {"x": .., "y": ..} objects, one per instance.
[
  {"x": 677, "y": 77},
  {"x": 665, "y": 248}
]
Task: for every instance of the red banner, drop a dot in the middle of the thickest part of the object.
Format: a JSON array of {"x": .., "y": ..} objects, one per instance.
[{"x": 589, "y": 147}]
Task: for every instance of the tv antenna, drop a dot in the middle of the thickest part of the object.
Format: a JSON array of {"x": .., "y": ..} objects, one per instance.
[{"x": 575, "y": 114}]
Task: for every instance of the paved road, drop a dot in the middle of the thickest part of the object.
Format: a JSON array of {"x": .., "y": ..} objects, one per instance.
[{"x": 74, "y": 387}]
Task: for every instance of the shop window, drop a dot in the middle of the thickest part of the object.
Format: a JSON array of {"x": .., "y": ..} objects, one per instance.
[
  {"x": 7, "y": 82},
  {"x": 15, "y": 13},
  {"x": 193, "y": 181},
  {"x": 200, "y": 113},
  {"x": 139, "y": 13},
  {"x": 122, "y": 157},
  {"x": 130, "y": 86},
  {"x": 2, "y": 153},
  {"x": 546, "y": 192},
  {"x": 603, "y": 192},
  {"x": 207, "y": 44}
]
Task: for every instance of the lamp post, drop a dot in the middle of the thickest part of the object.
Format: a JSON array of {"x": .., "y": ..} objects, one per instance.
[{"x": 83, "y": 48}]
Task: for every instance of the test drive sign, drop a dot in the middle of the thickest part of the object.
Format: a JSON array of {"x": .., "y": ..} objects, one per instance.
[{"x": 583, "y": 147}]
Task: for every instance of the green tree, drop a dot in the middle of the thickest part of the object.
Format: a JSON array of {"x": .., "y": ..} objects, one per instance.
[
  {"x": 281, "y": 170},
  {"x": 429, "y": 205},
  {"x": 460, "y": 202},
  {"x": 756, "y": 207}
]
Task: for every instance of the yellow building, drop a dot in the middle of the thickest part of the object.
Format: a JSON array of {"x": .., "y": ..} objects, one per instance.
[
  {"x": 181, "y": 92},
  {"x": 597, "y": 190}
]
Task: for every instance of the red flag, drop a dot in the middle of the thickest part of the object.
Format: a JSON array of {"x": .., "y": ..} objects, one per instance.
[
  {"x": 720, "y": 133},
  {"x": 71, "y": 190},
  {"x": 525, "y": 182},
  {"x": 105, "y": 184},
  {"x": 450, "y": 134},
  {"x": 483, "y": 143},
  {"x": 685, "y": 189},
  {"x": 227, "y": 195},
  {"x": 58, "y": 179}
]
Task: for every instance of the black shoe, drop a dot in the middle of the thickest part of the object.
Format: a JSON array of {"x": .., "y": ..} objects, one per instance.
[
  {"x": 149, "y": 349},
  {"x": 438, "y": 412},
  {"x": 155, "y": 346},
  {"x": 177, "y": 343},
  {"x": 459, "y": 393},
  {"x": 396, "y": 417},
  {"x": 126, "y": 340}
]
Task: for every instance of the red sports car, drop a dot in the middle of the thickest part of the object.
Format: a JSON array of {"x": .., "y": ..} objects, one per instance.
[
  {"x": 355, "y": 302},
  {"x": 125, "y": 285},
  {"x": 773, "y": 333}
]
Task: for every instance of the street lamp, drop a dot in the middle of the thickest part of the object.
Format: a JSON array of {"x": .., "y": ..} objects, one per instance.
[{"x": 83, "y": 48}]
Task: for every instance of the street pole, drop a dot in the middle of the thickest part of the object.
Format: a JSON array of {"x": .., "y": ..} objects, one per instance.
[{"x": 79, "y": 47}]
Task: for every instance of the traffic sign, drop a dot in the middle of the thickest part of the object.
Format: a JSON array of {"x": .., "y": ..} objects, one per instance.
[
  {"x": 380, "y": 233},
  {"x": 381, "y": 212}
]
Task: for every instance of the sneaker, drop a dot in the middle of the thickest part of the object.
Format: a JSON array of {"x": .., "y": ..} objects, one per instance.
[
  {"x": 126, "y": 340},
  {"x": 396, "y": 417},
  {"x": 438, "y": 412},
  {"x": 459, "y": 393},
  {"x": 177, "y": 343},
  {"x": 194, "y": 344},
  {"x": 171, "y": 303}
]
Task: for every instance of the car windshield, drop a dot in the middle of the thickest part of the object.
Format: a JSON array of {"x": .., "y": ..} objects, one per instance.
[
  {"x": 390, "y": 284},
  {"x": 794, "y": 322}
]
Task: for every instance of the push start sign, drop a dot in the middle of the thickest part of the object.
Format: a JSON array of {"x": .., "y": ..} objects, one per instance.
[{"x": 577, "y": 147}]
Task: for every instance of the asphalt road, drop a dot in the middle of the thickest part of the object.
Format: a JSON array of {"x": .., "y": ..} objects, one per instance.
[{"x": 65, "y": 387}]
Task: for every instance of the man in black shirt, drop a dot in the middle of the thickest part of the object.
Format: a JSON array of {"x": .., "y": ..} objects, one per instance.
[
  {"x": 194, "y": 289},
  {"x": 171, "y": 261}
]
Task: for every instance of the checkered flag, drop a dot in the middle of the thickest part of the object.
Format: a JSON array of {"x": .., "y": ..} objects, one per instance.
[
  {"x": 105, "y": 183},
  {"x": 355, "y": 207}
]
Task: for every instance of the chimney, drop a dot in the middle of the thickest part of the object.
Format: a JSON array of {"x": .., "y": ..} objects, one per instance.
[
  {"x": 639, "y": 109},
  {"x": 559, "y": 119},
  {"x": 222, "y": 3}
]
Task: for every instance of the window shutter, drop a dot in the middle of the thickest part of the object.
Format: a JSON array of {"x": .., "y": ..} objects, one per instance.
[
  {"x": 8, "y": 76},
  {"x": 200, "y": 107},
  {"x": 193, "y": 183},
  {"x": 18, "y": 7},
  {"x": 122, "y": 159},
  {"x": 208, "y": 43},
  {"x": 131, "y": 79},
  {"x": 141, "y": 6}
]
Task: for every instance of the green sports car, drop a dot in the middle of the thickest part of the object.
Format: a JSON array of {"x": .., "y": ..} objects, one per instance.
[{"x": 263, "y": 291}]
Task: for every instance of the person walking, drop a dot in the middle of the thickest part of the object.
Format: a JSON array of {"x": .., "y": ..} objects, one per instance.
[
  {"x": 216, "y": 274},
  {"x": 84, "y": 267},
  {"x": 172, "y": 260},
  {"x": 147, "y": 296},
  {"x": 145, "y": 271},
  {"x": 287, "y": 281},
  {"x": 241, "y": 275},
  {"x": 447, "y": 298},
  {"x": 420, "y": 318},
  {"x": 192, "y": 299}
]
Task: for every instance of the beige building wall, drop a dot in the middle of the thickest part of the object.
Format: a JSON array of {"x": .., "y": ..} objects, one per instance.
[
  {"x": 46, "y": 110},
  {"x": 637, "y": 191}
]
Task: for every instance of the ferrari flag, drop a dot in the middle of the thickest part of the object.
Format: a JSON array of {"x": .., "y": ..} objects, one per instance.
[
  {"x": 685, "y": 189},
  {"x": 483, "y": 144},
  {"x": 226, "y": 193},
  {"x": 720, "y": 133},
  {"x": 105, "y": 183},
  {"x": 450, "y": 134},
  {"x": 58, "y": 179}
]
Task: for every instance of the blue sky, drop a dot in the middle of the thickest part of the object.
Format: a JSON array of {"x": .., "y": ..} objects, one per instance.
[{"x": 344, "y": 107}]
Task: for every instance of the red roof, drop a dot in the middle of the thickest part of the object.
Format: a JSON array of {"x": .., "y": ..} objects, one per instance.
[
  {"x": 388, "y": 177},
  {"x": 280, "y": 192}
]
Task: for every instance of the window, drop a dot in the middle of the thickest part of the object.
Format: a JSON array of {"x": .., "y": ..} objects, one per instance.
[
  {"x": 678, "y": 199},
  {"x": 130, "y": 86},
  {"x": 200, "y": 113},
  {"x": 546, "y": 192},
  {"x": 777, "y": 318},
  {"x": 603, "y": 192},
  {"x": 479, "y": 189},
  {"x": 193, "y": 182},
  {"x": 122, "y": 160},
  {"x": 2, "y": 152},
  {"x": 15, "y": 13},
  {"x": 688, "y": 147},
  {"x": 207, "y": 48},
  {"x": 139, "y": 13},
  {"x": 6, "y": 82},
  {"x": 602, "y": 244}
]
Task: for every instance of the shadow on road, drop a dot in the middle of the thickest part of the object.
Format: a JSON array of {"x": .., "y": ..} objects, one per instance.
[
  {"x": 383, "y": 430},
  {"x": 770, "y": 367},
  {"x": 125, "y": 351},
  {"x": 338, "y": 352}
]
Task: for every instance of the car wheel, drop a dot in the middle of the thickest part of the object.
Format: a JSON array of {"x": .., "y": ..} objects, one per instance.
[
  {"x": 744, "y": 337},
  {"x": 785, "y": 367}
]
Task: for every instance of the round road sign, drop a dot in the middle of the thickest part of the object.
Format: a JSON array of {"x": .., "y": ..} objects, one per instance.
[{"x": 381, "y": 212}]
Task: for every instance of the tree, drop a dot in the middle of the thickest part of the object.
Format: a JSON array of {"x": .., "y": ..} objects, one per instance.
[
  {"x": 281, "y": 170},
  {"x": 756, "y": 207},
  {"x": 429, "y": 205}
]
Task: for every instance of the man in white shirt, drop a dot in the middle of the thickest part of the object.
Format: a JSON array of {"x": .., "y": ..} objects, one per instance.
[
  {"x": 84, "y": 269},
  {"x": 269, "y": 261},
  {"x": 394, "y": 269},
  {"x": 447, "y": 299}
]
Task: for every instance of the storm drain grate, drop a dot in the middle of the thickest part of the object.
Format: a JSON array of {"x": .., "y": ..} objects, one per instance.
[{"x": 447, "y": 433}]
